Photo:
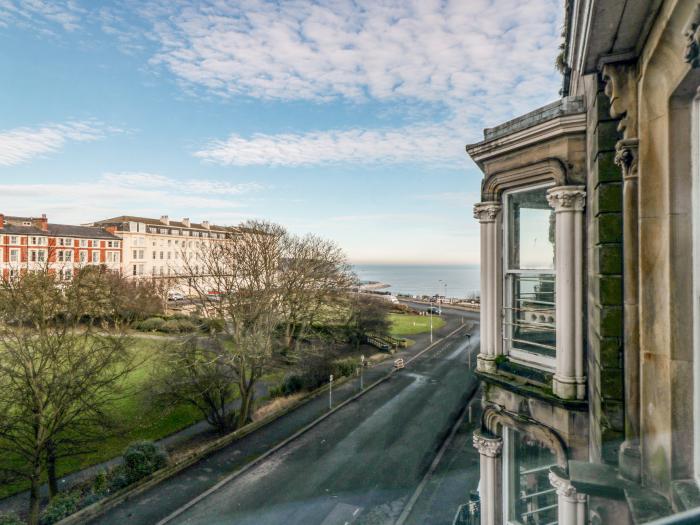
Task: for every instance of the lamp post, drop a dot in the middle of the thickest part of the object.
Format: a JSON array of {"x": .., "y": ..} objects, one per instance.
[
  {"x": 362, "y": 370},
  {"x": 439, "y": 301},
  {"x": 431, "y": 322},
  {"x": 330, "y": 393}
]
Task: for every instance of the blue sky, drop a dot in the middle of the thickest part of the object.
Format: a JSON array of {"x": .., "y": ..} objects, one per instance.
[{"x": 343, "y": 118}]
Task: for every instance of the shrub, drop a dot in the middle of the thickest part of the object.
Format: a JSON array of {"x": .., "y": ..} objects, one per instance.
[
  {"x": 210, "y": 325},
  {"x": 176, "y": 326},
  {"x": 59, "y": 507},
  {"x": 10, "y": 519},
  {"x": 151, "y": 324},
  {"x": 141, "y": 459},
  {"x": 344, "y": 368},
  {"x": 187, "y": 325}
]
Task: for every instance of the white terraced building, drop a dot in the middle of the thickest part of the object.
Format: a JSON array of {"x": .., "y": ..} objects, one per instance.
[{"x": 160, "y": 248}]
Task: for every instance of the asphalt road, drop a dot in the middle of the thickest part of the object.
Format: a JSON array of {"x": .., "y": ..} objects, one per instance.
[
  {"x": 363, "y": 463},
  {"x": 161, "y": 500}
]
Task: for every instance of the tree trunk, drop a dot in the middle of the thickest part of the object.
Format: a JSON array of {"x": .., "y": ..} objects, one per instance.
[
  {"x": 246, "y": 402},
  {"x": 51, "y": 469},
  {"x": 34, "y": 494}
]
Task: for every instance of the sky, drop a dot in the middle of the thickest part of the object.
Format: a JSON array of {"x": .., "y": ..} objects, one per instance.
[{"x": 347, "y": 119}]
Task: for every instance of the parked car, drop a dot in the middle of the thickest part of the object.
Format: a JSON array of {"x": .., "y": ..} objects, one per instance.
[
  {"x": 176, "y": 296},
  {"x": 432, "y": 310}
]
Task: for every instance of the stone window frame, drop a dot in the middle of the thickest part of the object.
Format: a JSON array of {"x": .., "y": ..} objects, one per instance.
[{"x": 568, "y": 201}]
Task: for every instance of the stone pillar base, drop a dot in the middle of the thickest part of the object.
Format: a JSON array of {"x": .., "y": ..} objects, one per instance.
[
  {"x": 630, "y": 459},
  {"x": 569, "y": 387},
  {"x": 486, "y": 363}
]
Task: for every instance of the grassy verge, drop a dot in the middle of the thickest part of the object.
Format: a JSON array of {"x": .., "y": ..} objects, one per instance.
[{"x": 411, "y": 324}]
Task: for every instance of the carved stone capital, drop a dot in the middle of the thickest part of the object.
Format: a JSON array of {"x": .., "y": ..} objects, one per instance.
[
  {"x": 626, "y": 156},
  {"x": 487, "y": 211},
  {"x": 567, "y": 198},
  {"x": 488, "y": 446},
  {"x": 621, "y": 89},
  {"x": 691, "y": 32},
  {"x": 561, "y": 483}
]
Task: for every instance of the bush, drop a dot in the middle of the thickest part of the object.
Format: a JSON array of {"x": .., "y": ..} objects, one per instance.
[
  {"x": 344, "y": 368},
  {"x": 59, "y": 507},
  {"x": 141, "y": 459},
  {"x": 10, "y": 519},
  {"x": 177, "y": 326},
  {"x": 210, "y": 325},
  {"x": 152, "y": 324}
]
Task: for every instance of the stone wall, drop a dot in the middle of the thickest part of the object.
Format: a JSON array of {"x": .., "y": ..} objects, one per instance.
[{"x": 604, "y": 275}]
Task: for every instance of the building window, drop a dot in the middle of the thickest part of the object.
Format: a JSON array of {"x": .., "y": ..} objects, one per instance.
[
  {"x": 529, "y": 497},
  {"x": 14, "y": 255},
  {"x": 67, "y": 255},
  {"x": 95, "y": 257},
  {"x": 83, "y": 243},
  {"x": 530, "y": 277},
  {"x": 83, "y": 256},
  {"x": 13, "y": 239}
]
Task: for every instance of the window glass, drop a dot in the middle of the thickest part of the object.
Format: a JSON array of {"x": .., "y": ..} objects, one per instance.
[
  {"x": 531, "y": 497},
  {"x": 531, "y": 230},
  {"x": 533, "y": 307}
]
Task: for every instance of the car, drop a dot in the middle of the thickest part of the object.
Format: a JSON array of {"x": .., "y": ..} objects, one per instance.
[
  {"x": 432, "y": 310},
  {"x": 176, "y": 296}
]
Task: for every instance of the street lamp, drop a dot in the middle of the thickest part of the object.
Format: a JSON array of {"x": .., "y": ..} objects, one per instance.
[
  {"x": 330, "y": 393},
  {"x": 362, "y": 370},
  {"x": 438, "y": 299},
  {"x": 431, "y": 322}
]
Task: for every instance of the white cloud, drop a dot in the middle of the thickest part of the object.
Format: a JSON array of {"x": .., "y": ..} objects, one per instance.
[
  {"x": 358, "y": 49},
  {"x": 41, "y": 15},
  {"x": 434, "y": 144},
  {"x": 133, "y": 193},
  {"x": 483, "y": 60},
  {"x": 20, "y": 145}
]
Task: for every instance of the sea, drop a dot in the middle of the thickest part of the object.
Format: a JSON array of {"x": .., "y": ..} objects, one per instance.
[{"x": 462, "y": 280}]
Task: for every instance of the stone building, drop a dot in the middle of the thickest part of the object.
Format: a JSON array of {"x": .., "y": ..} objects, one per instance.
[
  {"x": 590, "y": 320},
  {"x": 163, "y": 248}
]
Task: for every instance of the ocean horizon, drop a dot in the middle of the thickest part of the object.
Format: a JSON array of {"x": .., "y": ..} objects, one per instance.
[{"x": 461, "y": 280}]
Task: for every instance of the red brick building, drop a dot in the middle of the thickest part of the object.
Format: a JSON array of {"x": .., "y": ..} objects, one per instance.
[{"x": 29, "y": 243}]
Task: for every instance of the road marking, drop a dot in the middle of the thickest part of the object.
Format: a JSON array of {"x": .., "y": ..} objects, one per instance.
[{"x": 356, "y": 511}]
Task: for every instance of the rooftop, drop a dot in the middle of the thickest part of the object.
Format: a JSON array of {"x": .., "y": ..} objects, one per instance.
[{"x": 158, "y": 222}]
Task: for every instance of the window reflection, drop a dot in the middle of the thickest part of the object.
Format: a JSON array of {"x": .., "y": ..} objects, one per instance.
[{"x": 531, "y": 499}]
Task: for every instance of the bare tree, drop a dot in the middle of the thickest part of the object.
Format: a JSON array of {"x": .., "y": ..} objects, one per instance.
[
  {"x": 57, "y": 375},
  {"x": 198, "y": 372},
  {"x": 366, "y": 315},
  {"x": 315, "y": 275},
  {"x": 268, "y": 287}
]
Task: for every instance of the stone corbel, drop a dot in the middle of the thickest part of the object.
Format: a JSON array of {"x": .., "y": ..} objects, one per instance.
[
  {"x": 691, "y": 32},
  {"x": 626, "y": 156},
  {"x": 486, "y": 211},
  {"x": 621, "y": 89},
  {"x": 571, "y": 504}
]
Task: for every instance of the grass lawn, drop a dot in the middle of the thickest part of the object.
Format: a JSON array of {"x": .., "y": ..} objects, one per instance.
[
  {"x": 410, "y": 324},
  {"x": 138, "y": 419}
]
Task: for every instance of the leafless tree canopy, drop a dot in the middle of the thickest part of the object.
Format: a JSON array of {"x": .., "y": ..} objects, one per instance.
[
  {"x": 57, "y": 374},
  {"x": 268, "y": 287}
]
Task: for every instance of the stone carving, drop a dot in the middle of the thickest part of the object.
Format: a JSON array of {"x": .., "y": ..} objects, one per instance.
[
  {"x": 486, "y": 211},
  {"x": 626, "y": 156},
  {"x": 562, "y": 485},
  {"x": 490, "y": 447},
  {"x": 567, "y": 198},
  {"x": 621, "y": 89},
  {"x": 692, "y": 36}
]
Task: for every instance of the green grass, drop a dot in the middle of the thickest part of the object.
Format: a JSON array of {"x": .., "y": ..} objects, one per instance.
[
  {"x": 409, "y": 324},
  {"x": 138, "y": 419}
]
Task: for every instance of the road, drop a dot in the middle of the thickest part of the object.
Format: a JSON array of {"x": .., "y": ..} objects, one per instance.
[
  {"x": 160, "y": 501},
  {"x": 362, "y": 464}
]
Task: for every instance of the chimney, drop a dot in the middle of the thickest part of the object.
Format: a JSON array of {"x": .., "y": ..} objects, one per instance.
[
  {"x": 2, "y": 220},
  {"x": 205, "y": 225},
  {"x": 164, "y": 219},
  {"x": 42, "y": 223},
  {"x": 186, "y": 222}
]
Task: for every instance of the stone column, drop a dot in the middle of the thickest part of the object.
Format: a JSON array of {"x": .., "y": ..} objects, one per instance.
[
  {"x": 571, "y": 506},
  {"x": 569, "y": 380},
  {"x": 490, "y": 493},
  {"x": 630, "y": 455},
  {"x": 487, "y": 214}
]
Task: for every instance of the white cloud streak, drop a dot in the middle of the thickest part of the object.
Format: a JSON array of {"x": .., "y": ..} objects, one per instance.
[
  {"x": 41, "y": 14},
  {"x": 22, "y": 144},
  {"x": 434, "y": 144},
  {"x": 136, "y": 193}
]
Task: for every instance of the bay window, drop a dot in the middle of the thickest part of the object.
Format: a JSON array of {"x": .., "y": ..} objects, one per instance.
[{"x": 530, "y": 288}]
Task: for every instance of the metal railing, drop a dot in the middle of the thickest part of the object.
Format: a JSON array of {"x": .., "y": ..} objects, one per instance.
[{"x": 689, "y": 517}]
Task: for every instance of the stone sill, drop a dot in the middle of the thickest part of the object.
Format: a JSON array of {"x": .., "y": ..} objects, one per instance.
[{"x": 523, "y": 387}]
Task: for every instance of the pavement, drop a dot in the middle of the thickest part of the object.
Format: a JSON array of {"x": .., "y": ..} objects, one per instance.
[
  {"x": 413, "y": 416},
  {"x": 362, "y": 464}
]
